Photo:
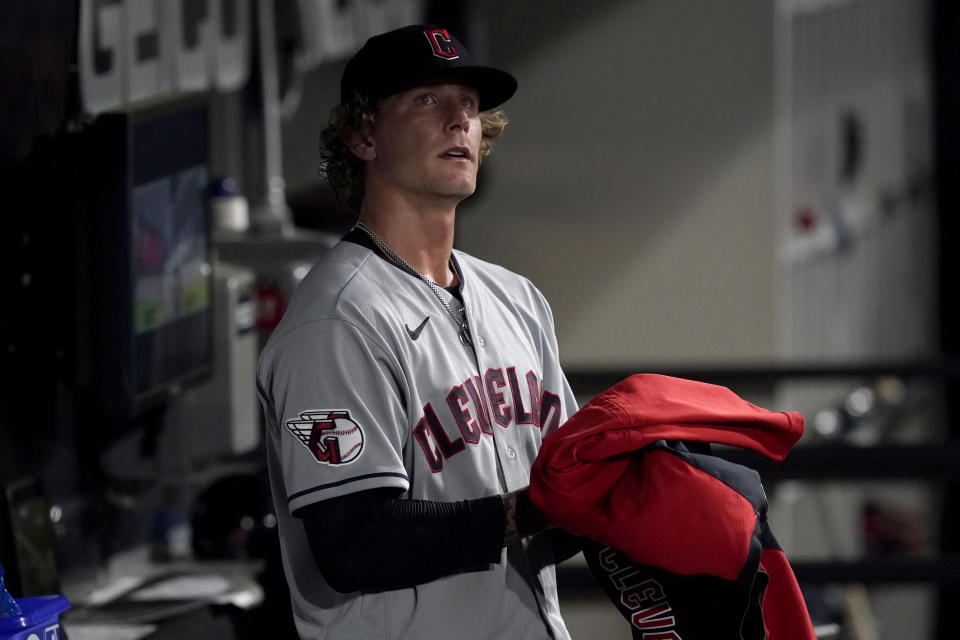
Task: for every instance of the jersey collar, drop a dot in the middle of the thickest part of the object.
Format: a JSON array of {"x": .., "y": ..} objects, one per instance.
[{"x": 357, "y": 236}]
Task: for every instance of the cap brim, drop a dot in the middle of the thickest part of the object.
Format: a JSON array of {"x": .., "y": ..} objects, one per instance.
[{"x": 493, "y": 85}]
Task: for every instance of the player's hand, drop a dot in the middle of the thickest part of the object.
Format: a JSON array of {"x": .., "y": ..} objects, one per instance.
[{"x": 521, "y": 517}]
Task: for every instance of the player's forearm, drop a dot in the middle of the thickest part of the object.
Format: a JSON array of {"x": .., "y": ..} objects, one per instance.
[{"x": 371, "y": 541}]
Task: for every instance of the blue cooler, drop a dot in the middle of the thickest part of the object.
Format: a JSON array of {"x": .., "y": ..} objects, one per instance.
[{"x": 35, "y": 618}]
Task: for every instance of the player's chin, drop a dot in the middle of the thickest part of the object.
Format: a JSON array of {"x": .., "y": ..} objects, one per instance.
[
  {"x": 468, "y": 188},
  {"x": 459, "y": 176},
  {"x": 462, "y": 188}
]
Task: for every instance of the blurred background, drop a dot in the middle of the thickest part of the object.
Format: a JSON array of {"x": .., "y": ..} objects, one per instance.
[{"x": 755, "y": 193}]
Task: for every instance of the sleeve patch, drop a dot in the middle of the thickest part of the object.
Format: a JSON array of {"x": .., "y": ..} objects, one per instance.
[{"x": 333, "y": 437}]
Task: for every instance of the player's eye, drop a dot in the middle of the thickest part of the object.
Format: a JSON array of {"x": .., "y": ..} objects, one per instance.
[
  {"x": 468, "y": 102},
  {"x": 425, "y": 99}
]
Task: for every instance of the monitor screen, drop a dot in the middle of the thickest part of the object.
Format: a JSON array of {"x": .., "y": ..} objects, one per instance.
[
  {"x": 153, "y": 280},
  {"x": 170, "y": 250},
  {"x": 171, "y": 277}
]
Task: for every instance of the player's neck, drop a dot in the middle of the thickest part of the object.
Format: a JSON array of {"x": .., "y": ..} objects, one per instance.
[{"x": 422, "y": 236}]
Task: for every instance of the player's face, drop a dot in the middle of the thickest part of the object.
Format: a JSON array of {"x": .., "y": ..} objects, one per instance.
[{"x": 427, "y": 142}]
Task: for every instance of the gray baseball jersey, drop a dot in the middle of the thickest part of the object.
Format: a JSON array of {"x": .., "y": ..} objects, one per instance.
[{"x": 366, "y": 384}]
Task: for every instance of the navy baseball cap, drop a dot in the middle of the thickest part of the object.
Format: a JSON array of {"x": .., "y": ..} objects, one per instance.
[{"x": 402, "y": 58}]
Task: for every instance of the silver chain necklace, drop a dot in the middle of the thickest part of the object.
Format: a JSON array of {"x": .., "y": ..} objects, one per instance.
[{"x": 459, "y": 318}]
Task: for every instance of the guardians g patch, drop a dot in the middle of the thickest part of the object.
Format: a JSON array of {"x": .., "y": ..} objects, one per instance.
[{"x": 333, "y": 437}]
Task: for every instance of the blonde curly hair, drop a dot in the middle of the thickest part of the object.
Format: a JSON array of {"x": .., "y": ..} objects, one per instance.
[{"x": 344, "y": 171}]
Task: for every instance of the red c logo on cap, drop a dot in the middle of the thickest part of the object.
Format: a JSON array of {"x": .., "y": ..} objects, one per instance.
[{"x": 441, "y": 43}]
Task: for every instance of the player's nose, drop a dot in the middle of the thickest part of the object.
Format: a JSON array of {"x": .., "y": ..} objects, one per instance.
[{"x": 457, "y": 115}]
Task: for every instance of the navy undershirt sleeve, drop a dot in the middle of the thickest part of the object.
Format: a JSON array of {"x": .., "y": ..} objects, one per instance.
[{"x": 375, "y": 541}]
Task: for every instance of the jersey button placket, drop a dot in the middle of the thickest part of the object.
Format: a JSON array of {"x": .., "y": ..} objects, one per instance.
[{"x": 503, "y": 453}]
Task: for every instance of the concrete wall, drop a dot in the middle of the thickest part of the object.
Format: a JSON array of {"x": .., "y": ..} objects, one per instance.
[{"x": 635, "y": 183}]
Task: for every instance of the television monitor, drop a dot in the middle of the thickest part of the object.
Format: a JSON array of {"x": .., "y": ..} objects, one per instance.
[{"x": 152, "y": 256}]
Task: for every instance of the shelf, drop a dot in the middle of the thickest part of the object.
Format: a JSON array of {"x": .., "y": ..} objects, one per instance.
[
  {"x": 767, "y": 375},
  {"x": 939, "y": 462},
  {"x": 944, "y": 569}
]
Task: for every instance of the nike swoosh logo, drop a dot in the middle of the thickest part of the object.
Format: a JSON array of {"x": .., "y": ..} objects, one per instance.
[{"x": 415, "y": 333}]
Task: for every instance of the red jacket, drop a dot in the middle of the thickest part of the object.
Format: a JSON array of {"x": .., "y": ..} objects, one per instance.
[{"x": 611, "y": 473}]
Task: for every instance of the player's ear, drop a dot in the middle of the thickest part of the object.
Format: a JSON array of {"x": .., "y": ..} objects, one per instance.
[{"x": 359, "y": 142}]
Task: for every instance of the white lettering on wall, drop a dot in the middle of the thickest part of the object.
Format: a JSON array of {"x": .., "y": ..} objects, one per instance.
[
  {"x": 144, "y": 62},
  {"x": 136, "y": 50},
  {"x": 192, "y": 26},
  {"x": 332, "y": 30},
  {"x": 101, "y": 54},
  {"x": 231, "y": 44}
]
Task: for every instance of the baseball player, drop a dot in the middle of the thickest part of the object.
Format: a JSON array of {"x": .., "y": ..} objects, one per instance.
[{"x": 409, "y": 385}]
